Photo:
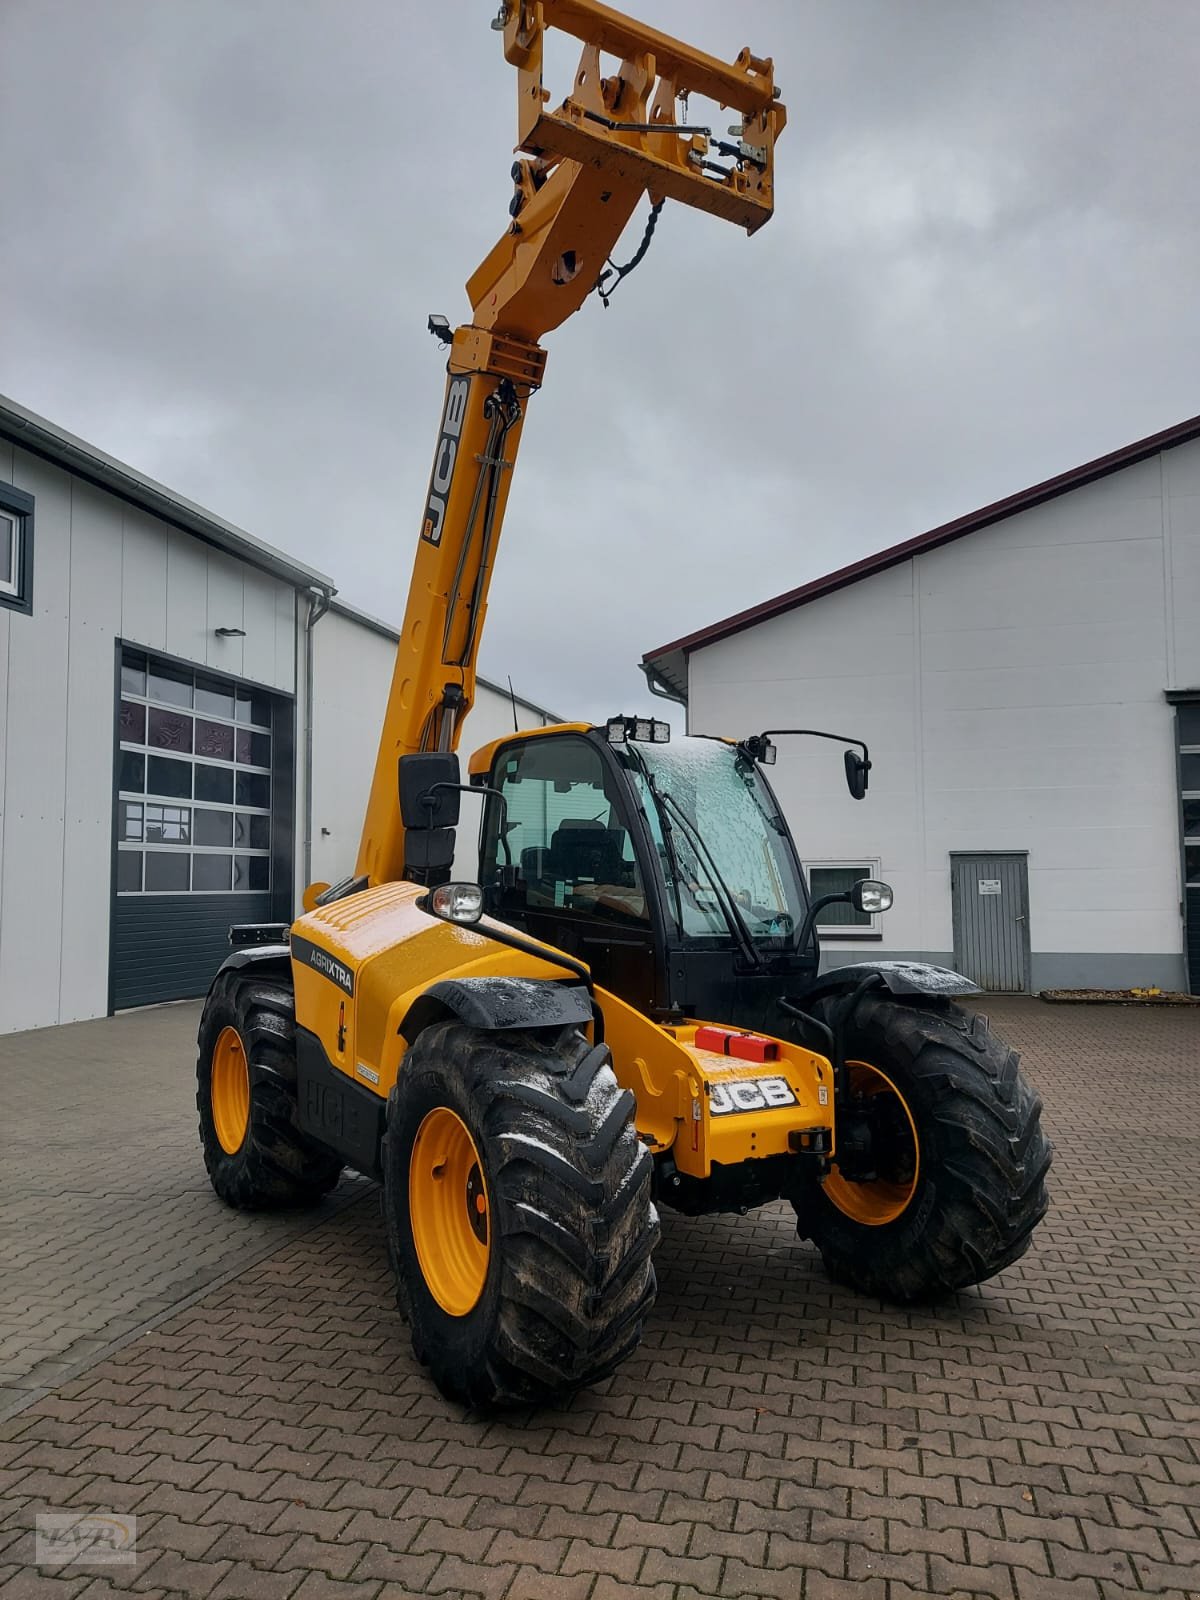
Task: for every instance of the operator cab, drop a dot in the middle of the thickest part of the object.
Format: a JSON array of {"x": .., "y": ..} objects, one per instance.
[{"x": 664, "y": 864}]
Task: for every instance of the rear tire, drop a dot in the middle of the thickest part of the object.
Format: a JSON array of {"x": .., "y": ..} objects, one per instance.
[
  {"x": 562, "y": 1288},
  {"x": 273, "y": 1164},
  {"x": 979, "y": 1186}
]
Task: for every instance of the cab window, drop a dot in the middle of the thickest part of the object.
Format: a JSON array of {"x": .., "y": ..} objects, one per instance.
[{"x": 564, "y": 846}]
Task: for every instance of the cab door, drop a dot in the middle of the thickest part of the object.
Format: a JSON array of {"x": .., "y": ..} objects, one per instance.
[{"x": 563, "y": 864}]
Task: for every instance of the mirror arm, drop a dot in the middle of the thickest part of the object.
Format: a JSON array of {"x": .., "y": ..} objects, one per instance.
[
  {"x": 815, "y": 733},
  {"x": 814, "y": 909}
]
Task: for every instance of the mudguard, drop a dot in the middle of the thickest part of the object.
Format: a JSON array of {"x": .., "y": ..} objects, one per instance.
[
  {"x": 898, "y": 977},
  {"x": 269, "y": 956},
  {"x": 499, "y": 1004}
]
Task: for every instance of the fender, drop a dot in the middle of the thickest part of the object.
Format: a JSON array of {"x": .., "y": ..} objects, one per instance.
[
  {"x": 271, "y": 957},
  {"x": 898, "y": 977},
  {"x": 498, "y": 1004}
]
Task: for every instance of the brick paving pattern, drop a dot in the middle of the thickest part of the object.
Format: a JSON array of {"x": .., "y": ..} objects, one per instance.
[
  {"x": 775, "y": 1436},
  {"x": 108, "y": 1218}
]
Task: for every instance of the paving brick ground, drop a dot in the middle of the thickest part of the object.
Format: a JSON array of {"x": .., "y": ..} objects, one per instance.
[
  {"x": 108, "y": 1218},
  {"x": 775, "y": 1436}
]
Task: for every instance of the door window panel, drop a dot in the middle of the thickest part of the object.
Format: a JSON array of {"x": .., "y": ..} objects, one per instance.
[
  {"x": 215, "y": 784},
  {"x": 129, "y": 871},
  {"x": 170, "y": 686},
  {"x": 132, "y": 772},
  {"x": 214, "y": 740},
  {"x": 170, "y": 778},
  {"x": 253, "y": 789},
  {"x": 169, "y": 731},
  {"x": 211, "y": 873},
  {"x": 167, "y": 756},
  {"x": 565, "y": 845},
  {"x": 133, "y": 722},
  {"x": 166, "y": 871},
  {"x": 215, "y": 699},
  {"x": 213, "y": 827}
]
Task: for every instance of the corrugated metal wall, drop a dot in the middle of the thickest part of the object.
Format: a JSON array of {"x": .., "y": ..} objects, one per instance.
[{"x": 102, "y": 571}]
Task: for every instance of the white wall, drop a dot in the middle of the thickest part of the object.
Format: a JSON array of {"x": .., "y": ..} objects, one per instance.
[
  {"x": 352, "y": 672},
  {"x": 1010, "y": 686},
  {"x": 102, "y": 571}
]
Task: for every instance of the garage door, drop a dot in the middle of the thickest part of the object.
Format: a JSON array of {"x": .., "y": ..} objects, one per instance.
[{"x": 201, "y": 823}]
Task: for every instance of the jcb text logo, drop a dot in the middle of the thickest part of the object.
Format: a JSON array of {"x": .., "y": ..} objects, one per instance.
[
  {"x": 750, "y": 1094},
  {"x": 445, "y": 458}
]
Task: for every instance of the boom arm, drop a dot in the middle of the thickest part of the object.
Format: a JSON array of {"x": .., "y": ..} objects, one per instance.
[{"x": 582, "y": 171}]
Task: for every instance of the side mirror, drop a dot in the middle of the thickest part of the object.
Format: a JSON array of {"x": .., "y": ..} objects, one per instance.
[
  {"x": 857, "y": 768},
  {"x": 429, "y": 789},
  {"x": 868, "y": 894}
]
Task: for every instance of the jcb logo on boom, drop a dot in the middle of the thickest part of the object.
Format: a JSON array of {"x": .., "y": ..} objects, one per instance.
[
  {"x": 749, "y": 1094},
  {"x": 445, "y": 458}
]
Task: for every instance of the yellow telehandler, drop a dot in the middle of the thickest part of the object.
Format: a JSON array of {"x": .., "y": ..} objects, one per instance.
[{"x": 625, "y": 1008}]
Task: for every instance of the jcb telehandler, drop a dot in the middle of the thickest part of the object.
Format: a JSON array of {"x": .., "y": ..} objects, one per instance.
[{"x": 626, "y": 1007}]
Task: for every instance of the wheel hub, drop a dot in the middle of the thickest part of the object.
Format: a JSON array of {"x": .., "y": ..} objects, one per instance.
[
  {"x": 449, "y": 1211},
  {"x": 878, "y": 1154},
  {"x": 229, "y": 1090}
]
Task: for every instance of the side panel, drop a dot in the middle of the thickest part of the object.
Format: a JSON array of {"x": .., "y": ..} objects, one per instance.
[
  {"x": 35, "y": 768},
  {"x": 361, "y": 963},
  {"x": 335, "y": 1110},
  {"x": 87, "y": 853}
]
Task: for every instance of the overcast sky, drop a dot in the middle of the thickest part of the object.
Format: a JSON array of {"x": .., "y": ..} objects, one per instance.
[{"x": 225, "y": 222}]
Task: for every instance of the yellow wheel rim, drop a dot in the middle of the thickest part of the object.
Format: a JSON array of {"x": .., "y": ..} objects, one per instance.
[
  {"x": 882, "y": 1199},
  {"x": 229, "y": 1088},
  {"x": 450, "y": 1211}
]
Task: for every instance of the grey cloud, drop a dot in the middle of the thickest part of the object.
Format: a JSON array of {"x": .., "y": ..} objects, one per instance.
[{"x": 233, "y": 219}]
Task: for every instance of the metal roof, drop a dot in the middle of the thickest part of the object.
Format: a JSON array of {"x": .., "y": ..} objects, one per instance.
[
  {"x": 46, "y": 439},
  {"x": 342, "y": 609},
  {"x": 669, "y": 662}
]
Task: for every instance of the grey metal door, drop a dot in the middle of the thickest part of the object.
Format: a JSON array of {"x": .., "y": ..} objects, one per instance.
[{"x": 990, "y": 895}]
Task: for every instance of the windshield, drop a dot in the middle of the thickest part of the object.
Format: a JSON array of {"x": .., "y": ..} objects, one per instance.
[{"x": 726, "y": 802}]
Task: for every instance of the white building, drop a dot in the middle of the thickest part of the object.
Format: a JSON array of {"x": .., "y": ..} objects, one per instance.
[
  {"x": 187, "y": 731},
  {"x": 1028, "y": 681}
]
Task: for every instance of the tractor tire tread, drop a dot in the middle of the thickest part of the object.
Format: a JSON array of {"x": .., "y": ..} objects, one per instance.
[
  {"x": 278, "y": 1165},
  {"x": 984, "y": 1157},
  {"x": 573, "y": 1220}
]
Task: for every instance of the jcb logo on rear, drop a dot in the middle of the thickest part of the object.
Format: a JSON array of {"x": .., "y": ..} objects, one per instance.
[
  {"x": 749, "y": 1094},
  {"x": 445, "y": 459}
]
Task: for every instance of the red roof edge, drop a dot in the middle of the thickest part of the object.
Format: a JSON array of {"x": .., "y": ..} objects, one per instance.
[{"x": 1023, "y": 500}]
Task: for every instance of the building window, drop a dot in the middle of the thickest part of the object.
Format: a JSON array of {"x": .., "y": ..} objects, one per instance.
[
  {"x": 16, "y": 549},
  {"x": 836, "y": 877},
  {"x": 193, "y": 782}
]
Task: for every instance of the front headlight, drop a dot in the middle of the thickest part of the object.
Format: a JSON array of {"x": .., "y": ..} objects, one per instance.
[
  {"x": 457, "y": 902},
  {"x": 868, "y": 894}
]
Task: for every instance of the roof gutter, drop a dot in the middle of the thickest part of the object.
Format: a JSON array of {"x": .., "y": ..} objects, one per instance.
[{"x": 658, "y": 685}]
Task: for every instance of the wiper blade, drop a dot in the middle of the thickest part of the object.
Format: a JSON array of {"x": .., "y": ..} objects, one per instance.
[{"x": 730, "y": 910}]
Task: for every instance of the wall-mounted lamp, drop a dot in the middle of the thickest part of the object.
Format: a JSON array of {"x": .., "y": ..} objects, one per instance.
[{"x": 230, "y": 633}]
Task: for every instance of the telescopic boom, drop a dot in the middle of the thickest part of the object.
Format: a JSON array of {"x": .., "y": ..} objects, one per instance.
[{"x": 579, "y": 174}]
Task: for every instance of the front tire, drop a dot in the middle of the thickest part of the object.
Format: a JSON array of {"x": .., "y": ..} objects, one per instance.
[
  {"x": 952, "y": 1140},
  {"x": 256, "y": 1156},
  {"x": 517, "y": 1205}
]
